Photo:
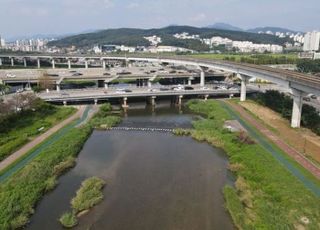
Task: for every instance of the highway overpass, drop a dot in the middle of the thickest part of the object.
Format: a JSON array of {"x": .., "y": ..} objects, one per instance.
[{"x": 298, "y": 84}]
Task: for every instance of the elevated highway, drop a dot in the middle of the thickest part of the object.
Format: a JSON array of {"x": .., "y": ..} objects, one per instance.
[{"x": 298, "y": 84}]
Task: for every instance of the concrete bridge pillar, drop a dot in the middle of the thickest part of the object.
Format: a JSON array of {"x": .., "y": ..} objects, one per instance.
[
  {"x": 64, "y": 103},
  {"x": 24, "y": 62},
  {"x": 106, "y": 85},
  {"x": 12, "y": 61},
  {"x": 0, "y": 61},
  {"x": 95, "y": 101},
  {"x": 38, "y": 63},
  {"x": 206, "y": 97},
  {"x": 58, "y": 87},
  {"x": 104, "y": 64},
  {"x": 149, "y": 83},
  {"x": 69, "y": 63},
  {"x": 180, "y": 100},
  {"x": 202, "y": 78},
  {"x": 86, "y": 64},
  {"x": 189, "y": 81},
  {"x": 153, "y": 100},
  {"x": 297, "y": 108},
  {"x": 53, "y": 64},
  {"x": 244, "y": 81},
  {"x": 125, "y": 104}
]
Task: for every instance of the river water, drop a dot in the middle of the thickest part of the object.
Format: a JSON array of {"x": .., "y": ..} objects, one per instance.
[{"x": 155, "y": 181}]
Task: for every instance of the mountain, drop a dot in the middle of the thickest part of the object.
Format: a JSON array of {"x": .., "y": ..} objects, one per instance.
[
  {"x": 135, "y": 37},
  {"x": 224, "y": 26},
  {"x": 272, "y": 29}
]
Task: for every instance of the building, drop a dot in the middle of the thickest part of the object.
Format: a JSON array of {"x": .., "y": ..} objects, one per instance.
[
  {"x": 311, "y": 41},
  {"x": 2, "y": 42}
]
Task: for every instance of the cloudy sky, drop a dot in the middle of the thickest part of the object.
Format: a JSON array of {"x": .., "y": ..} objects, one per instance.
[{"x": 29, "y": 17}]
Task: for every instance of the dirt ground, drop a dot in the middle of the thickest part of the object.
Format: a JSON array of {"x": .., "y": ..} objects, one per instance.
[{"x": 303, "y": 140}]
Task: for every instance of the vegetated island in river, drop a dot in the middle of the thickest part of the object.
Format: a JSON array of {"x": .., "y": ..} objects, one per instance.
[{"x": 89, "y": 195}]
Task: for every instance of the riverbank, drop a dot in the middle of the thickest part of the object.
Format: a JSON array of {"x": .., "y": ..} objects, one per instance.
[
  {"x": 26, "y": 186},
  {"x": 266, "y": 194},
  {"x": 21, "y": 128}
]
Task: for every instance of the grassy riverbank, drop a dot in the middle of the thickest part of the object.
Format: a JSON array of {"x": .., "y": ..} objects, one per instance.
[
  {"x": 20, "y": 192},
  {"x": 266, "y": 195},
  {"x": 19, "y": 128},
  {"x": 89, "y": 195}
]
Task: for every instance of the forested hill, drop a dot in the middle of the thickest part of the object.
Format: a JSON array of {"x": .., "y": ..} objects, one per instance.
[{"x": 134, "y": 37}]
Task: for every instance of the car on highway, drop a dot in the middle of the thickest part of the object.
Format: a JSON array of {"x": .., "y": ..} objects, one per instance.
[
  {"x": 205, "y": 88},
  {"x": 107, "y": 74},
  {"x": 153, "y": 90},
  {"x": 10, "y": 75},
  {"x": 119, "y": 91},
  {"x": 77, "y": 74},
  {"x": 64, "y": 94},
  {"x": 178, "y": 88},
  {"x": 164, "y": 89},
  {"x": 188, "y": 88}
]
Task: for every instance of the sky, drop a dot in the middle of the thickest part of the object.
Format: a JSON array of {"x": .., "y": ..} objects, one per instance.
[{"x": 31, "y": 17}]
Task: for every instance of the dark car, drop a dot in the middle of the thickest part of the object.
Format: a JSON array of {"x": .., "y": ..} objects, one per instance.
[
  {"x": 188, "y": 88},
  {"x": 128, "y": 91},
  {"x": 77, "y": 74},
  {"x": 106, "y": 74}
]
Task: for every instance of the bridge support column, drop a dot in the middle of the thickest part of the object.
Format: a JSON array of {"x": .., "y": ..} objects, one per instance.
[
  {"x": 12, "y": 61},
  {"x": 86, "y": 64},
  {"x": 53, "y": 64},
  {"x": 58, "y": 88},
  {"x": 149, "y": 84},
  {"x": 106, "y": 85},
  {"x": 243, "y": 93},
  {"x": 153, "y": 100},
  {"x": 0, "y": 61},
  {"x": 180, "y": 100},
  {"x": 69, "y": 63},
  {"x": 104, "y": 64},
  {"x": 202, "y": 78},
  {"x": 24, "y": 62},
  {"x": 38, "y": 63},
  {"x": 297, "y": 108},
  {"x": 125, "y": 104},
  {"x": 206, "y": 97},
  {"x": 189, "y": 81},
  {"x": 64, "y": 103},
  {"x": 95, "y": 101}
]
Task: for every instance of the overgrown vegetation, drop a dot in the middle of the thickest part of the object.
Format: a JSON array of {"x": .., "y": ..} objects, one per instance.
[
  {"x": 103, "y": 119},
  {"x": 89, "y": 195},
  {"x": 21, "y": 191},
  {"x": 266, "y": 195},
  {"x": 19, "y": 127},
  {"x": 309, "y": 66},
  {"x": 68, "y": 220},
  {"x": 258, "y": 59},
  {"x": 282, "y": 103}
]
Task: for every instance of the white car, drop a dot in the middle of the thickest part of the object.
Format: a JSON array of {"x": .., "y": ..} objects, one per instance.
[
  {"x": 11, "y": 75},
  {"x": 205, "y": 88}
]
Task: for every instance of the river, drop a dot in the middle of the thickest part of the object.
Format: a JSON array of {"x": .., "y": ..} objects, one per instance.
[{"x": 155, "y": 180}]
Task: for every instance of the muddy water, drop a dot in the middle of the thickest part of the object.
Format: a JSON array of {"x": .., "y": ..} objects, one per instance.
[{"x": 154, "y": 180}]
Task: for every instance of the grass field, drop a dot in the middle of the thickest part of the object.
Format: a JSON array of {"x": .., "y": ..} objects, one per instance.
[
  {"x": 290, "y": 58},
  {"x": 22, "y": 128},
  {"x": 266, "y": 195}
]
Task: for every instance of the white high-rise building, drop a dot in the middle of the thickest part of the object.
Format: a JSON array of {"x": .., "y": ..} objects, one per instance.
[
  {"x": 311, "y": 41},
  {"x": 2, "y": 42}
]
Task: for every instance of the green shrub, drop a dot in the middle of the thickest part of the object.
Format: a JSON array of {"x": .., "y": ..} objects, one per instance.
[
  {"x": 88, "y": 195},
  {"x": 68, "y": 220}
]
